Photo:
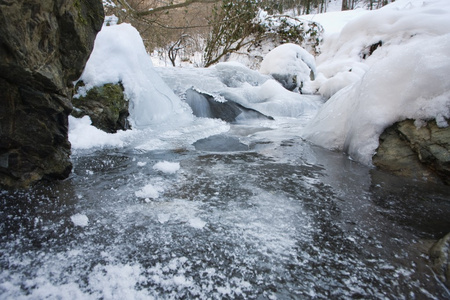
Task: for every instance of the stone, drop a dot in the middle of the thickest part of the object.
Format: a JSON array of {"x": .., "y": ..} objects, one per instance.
[
  {"x": 420, "y": 153},
  {"x": 106, "y": 106},
  {"x": 440, "y": 257},
  {"x": 44, "y": 46}
]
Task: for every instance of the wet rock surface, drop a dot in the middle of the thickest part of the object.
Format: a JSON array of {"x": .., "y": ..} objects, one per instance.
[
  {"x": 44, "y": 46},
  {"x": 421, "y": 153},
  {"x": 106, "y": 106}
]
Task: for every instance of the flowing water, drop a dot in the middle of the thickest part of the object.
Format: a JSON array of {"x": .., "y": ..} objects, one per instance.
[{"x": 254, "y": 213}]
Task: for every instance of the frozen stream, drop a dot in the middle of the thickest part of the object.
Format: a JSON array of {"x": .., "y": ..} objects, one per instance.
[{"x": 269, "y": 216}]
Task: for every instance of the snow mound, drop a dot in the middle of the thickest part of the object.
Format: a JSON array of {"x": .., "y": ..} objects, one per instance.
[
  {"x": 289, "y": 62},
  {"x": 167, "y": 167},
  {"x": 119, "y": 55}
]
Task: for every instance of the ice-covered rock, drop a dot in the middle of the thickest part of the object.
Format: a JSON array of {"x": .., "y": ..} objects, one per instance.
[
  {"x": 167, "y": 167},
  {"x": 206, "y": 106},
  {"x": 119, "y": 55},
  {"x": 410, "y": 83}
]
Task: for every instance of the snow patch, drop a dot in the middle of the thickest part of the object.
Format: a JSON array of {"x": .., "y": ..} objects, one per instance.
[{"x": 82, "y": 135}]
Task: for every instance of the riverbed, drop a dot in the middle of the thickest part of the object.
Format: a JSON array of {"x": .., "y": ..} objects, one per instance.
[{"x": 251, "y": 213}]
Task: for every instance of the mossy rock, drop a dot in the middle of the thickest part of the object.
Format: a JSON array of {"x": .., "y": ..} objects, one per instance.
[{"x": 105, "y": 105}]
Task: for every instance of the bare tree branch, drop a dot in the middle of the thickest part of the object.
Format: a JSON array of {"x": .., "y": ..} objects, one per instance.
[{"x": 172, "y": 6}]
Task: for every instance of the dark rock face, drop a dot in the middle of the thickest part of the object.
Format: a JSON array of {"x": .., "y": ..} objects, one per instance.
[
  {"x": 44, "y": 46},
  {"x": 106, "y": 106},
  {"x": 422, "y": 153}
]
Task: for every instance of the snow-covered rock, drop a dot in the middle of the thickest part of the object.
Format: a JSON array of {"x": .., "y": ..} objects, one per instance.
[
  {"x": 289, "y": 64},
  {"x": 406, "y": 77},
  {"x": 119, "y": 55}
]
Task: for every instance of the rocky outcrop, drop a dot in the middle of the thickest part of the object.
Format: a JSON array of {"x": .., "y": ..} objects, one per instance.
[
  {"x": 44, "y": 45},
  {"x": 106, "y": 106},
  {"x": 421, "y": 153},
  {"x": 440, "y": 257}
]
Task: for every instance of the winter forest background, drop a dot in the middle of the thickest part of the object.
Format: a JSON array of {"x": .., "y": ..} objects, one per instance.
[{"x": 202, "y": 32}]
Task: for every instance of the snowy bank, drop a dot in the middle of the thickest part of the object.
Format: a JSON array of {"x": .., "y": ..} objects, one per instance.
[{"x": 406, "y": 77}]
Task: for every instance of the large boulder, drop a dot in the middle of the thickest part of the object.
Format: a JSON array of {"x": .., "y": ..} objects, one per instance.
[
  {"x": 44, "y": 45},
  {"x": 417, "y": 152}
]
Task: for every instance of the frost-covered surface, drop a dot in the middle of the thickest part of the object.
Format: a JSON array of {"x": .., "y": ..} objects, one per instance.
[
  {"x": 83, "y": 135},
  {"x": 282, "y": 220},
  {"x": 406, "y": 77}
]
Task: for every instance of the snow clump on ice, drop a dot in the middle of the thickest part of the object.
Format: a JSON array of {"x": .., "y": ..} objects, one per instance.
[
  {"x": 197, "y": 223},
  {"x": 149, "y": 191},
  {"x": 167, "y": 167},
  {"x": 80, "y": 220}
]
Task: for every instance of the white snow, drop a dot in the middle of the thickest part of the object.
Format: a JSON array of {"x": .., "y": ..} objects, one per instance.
[
  {"x": 407, "y": 77},
  {"x": 233, "y": 81},
  {"x": 167, "y": 167},
  {"x": 84, "y": 136},
  {"x": 80, "y": 220}
]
